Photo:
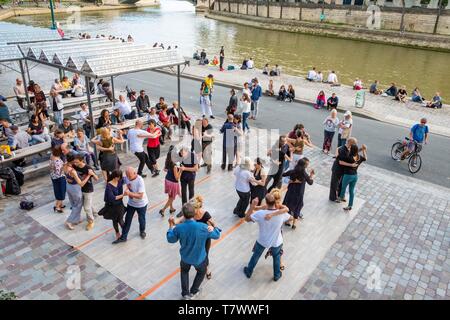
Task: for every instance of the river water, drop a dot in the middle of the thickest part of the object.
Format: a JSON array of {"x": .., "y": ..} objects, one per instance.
[{"x": 176, "y": 23}]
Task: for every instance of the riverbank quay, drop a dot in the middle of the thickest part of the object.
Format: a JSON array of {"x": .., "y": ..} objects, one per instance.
[
  {"x": 69, "y": 9},
  {"x": 392, "y": 245},
  {"x": 421, "y": 28},
  {"x": 376, "y": 107}
]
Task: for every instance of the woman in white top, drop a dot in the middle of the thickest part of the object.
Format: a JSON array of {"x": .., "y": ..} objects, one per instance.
[
  {"x": 246, "y": 109},
  {"x": 242, "y": 184},
  {"x": 78, "y": 90},
  {"x": 246, "y": 89},
  {"x": 330, "y": 125},
  {"x": 56, "y": 103},
  {"x": 345, "y": 128}
]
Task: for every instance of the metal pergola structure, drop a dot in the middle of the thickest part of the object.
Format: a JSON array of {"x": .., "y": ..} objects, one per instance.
[{"x": 93, "y": 59}]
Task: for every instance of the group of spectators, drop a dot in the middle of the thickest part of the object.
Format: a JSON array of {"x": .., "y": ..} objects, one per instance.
[{"x": 401, "y": 95}]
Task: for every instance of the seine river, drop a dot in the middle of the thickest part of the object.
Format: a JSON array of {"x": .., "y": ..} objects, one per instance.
[{"x": 176, "y": 23}]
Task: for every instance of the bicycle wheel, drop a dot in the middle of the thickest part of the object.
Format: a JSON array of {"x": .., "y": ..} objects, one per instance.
[
  {"x": 414, "y": 163},
  {"x": 397, "y": 150}
]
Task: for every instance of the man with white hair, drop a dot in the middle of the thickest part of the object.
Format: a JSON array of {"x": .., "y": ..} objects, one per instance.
[
  {"x": 136, "y": 137},
  {"x": 137, "y": 201}
]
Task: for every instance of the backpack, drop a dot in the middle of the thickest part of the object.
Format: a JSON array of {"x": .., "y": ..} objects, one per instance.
[{"x": 12, "y": 185}]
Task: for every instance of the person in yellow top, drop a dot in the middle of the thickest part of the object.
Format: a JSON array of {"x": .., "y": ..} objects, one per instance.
[
  {"x": 65, "y": 82},
  {"x": 209, "y": 81}
]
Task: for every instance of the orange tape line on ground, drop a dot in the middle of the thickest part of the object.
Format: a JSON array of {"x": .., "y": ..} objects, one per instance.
[
  {"x": 85, "y": 243},
  {"x": 175, "y": 272}
]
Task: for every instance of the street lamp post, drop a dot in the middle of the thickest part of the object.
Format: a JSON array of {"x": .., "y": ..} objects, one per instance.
[{"x": 53, "y": 26}]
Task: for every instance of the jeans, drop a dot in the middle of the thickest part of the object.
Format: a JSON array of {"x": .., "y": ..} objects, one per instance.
[
  {"x": 201, "y": 272},
  {"x": 257, "y": 252},
  {"x": 241, "y": 206},
  {"x": 341, "y": 141},
  {"x": 59, "y": 116},
  {"x": 245, "y": 116},
  {"x": 129, "y": 218},
  {"x": 327, "y": 139},
  {"x": 39, "y": 138},
  {"x": 143, "y": 160},
  {"x": 130, "y": 116},
  {"x": 350, "y": 181},
  {"x": 184, "y": 189},
  {"x": 255, "y": 108}
]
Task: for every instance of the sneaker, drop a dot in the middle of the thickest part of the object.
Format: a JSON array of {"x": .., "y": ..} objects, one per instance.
[
  {"x": 143, "y": 234},
  {"x": 195, "y": 295},
  {"x": 186, "y": 297},
  {"x": 120, "y": 240},
  {"x": 89, "y": 225}
]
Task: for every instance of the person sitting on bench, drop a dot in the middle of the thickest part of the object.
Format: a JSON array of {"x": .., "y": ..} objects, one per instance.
[{"x": 125, "y": 108}]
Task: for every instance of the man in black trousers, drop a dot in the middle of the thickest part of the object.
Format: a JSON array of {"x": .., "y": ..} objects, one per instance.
[{"x": 337, "y": 171}]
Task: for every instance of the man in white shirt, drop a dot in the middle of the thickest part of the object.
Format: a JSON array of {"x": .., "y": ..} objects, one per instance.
[
  {"x": 332, "y": 78},
  {"x": 125, "y": 108},
  {"x": 136, "y": 137},
  {"x": 19, "y": 91},
  {"x": 250, "y": 63},
  {"x": 312, "y": 74},
  {"x": 137, "y": 201},
  {"x": 270, "y": 237}
]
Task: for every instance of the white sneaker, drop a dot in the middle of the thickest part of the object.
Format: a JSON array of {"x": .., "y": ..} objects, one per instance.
[
  {"x": 195, "y": 295},
  {"x": 186, "y": 297}
]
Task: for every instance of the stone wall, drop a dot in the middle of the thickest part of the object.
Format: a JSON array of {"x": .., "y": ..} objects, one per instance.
[{"x": 416, "y": 19}]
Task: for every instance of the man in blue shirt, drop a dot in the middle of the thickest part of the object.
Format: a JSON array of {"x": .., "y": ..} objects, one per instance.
[
  {"x": 192, "y": 236},
  {"x": 256, "y": 94},
  {"x": 419, "y": 134}
]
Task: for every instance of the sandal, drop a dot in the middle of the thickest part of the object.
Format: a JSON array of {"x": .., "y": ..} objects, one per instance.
[
  {"x": 281, "y": 268},
  {"x": 172, "y": 211},
  {"x": 161, "y": 212},
  {"x": 208, "y": 275}
]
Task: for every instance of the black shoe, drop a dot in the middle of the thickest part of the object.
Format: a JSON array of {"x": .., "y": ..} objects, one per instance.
[
  {"x": 120, "y": 240},
  {"x": 143, "y": 175},
  {"x": 203, "y": 165},
  {"x": 223, "y": 167},
  {"x": 143, "y": 234},
  {"x": 155, "y": 174},
  {"x": 179, "y": 214},
  {"x": 208, "y": 170},
  {"x": 212, "y": 117},
  {"x": 230, "y": 167},
  {"x": 247, "y": 273},
  {"x": 277, "y": 278}
]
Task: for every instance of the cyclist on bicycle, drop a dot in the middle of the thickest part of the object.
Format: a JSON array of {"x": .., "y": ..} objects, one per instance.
[{"x": 418, "y": 134}]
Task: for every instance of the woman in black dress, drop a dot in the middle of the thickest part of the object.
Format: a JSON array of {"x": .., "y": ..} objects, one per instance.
[
  {"x": 296, "y": 188},
  {"x": 114, "y": 209},
  {"x": 258, "y": 188}
]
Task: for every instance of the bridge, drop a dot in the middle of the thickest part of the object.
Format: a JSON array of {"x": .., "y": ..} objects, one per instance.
[{"x": 137, "y": 2}]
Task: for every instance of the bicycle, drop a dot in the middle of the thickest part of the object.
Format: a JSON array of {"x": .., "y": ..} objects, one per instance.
[{"x": 414, "y": 158}]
